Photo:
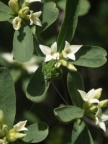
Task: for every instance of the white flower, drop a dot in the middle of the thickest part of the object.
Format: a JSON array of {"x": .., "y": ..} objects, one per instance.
[
  {"x": 2, "y": 141},
  {"x": 100, "y": 119},
  {"x": 92, "y": 96},
  {"x": 70, "y": 50},
  {"x": 50, "y": 52},
  {"x": 31, "y": 65},
  {"x": 20, "y": 126},
  {"x": 8, "y": 57},
  {"x": 16, "y": 23},
  {"x": 30, "y": 1},
  {"x": 34, "y": 18}
]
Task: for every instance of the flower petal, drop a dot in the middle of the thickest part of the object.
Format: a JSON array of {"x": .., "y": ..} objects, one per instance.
[
  {"x": 94, "y": 101},
  {"x": 90, "y": 94},
  {"x": 48, "y": 58},
  {"x": 75, "y": 48},
  {"x": 83, "y": 95},
  {"x": 30, "y": 1},
  {"x": 45, "y": 50},
  {"x": 71, "y": 56},
  {"x": 20, "y": 126},
  {"x": 102, "y": 125},
  {"x": 97, "y": 93},
  {"x": 54, "y": 47},
  {"x": 104, "y": 117}
]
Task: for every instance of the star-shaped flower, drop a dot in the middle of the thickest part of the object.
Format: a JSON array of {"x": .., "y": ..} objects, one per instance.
[
  {"x": 70, "y": 50},
  {"x": 16, "y": 23},
  {"x": 20, "y": 126},
  {"x": 100, "y": 119},
  {"x": 92, "y": 96},
  {"x": 34, "y": 18},
  {"x": 50, "y": 52}
]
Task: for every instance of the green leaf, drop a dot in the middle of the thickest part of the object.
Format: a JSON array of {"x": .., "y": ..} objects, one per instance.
[
  {"x": 37, "y": 87},
  {"x": 7, "y": 96},
  {"x": 5, "y": 12},
  {"x": 81, "y": 134},
  {"x": 36, "y": 133},
  {"x": 23, "y": 44},
  {"x": 84, "y": 7},
  {"x": 75, "y": 82},
  {"x": 68, "y": 113},
  {"x": 91, "y": 56},
  {"x": 69, "y": 24},
  {"x": 49, "y": 14}
]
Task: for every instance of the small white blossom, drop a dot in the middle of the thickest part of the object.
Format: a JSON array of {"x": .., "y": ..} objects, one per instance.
[
  {"x": 30, "y": 1},
  {"x": 100, "y": 119},
  {"x": 70, "y": 50},
  {"x": 2, "y": 141},
  {"x": 50, "y": 52},
  {"x": 20, "y": 126},
  {"x": 92, "y": 96},
  {"x": 16, "y": 23},
  {"x": 31, "y": 65},
  {"x": 34, "y": 18},
  {"x": 8, "y": 57}
]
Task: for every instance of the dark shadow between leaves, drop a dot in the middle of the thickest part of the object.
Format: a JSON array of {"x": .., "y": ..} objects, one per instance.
[{"x": 21, "y": 35}]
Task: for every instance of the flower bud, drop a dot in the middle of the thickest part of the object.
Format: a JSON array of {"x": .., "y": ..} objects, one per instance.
[
  {"x": 103, "y": 103},
  {"x": 3, "y": 130},
  {"x": 93, "y": 108},
  {"x": 67, "y": 64},
  {"x": 23, "y": 12},
  {"x": 98, "y": 93},
  {"x": 12, "y": 136},
  {"x": 1, "y": 117},
  {"x": 13, "y": 4}
]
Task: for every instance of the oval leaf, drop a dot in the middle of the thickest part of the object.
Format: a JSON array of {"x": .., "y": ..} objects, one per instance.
[
  {"x": 49, "y": 14},
  {"x": 91, "y": 56},
  {"x": 81, "y": 134},
  {"x": 23, "y": 44},
  {"x": 69, "y": 24},
  {"x": 7, "y": 96},
  {"x": 36, "y": 133},
  {"x": 67, "y": 114},
  {"x": 75, "y": 82},
  {"x": 38, "y": 86},
  {"x": 5, "y": 12},
  {"x": 84, "y": 7}
]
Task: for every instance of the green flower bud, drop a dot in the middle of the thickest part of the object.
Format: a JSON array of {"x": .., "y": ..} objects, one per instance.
[
  {"x": 23, "y": 12},
  {"x": 12, "y": 136},
  {"x": 25, "y": 4},
  {"x": 67, "y": 64},
  {"x": 93, "y": 108},
  {"x": 13, "y": 4},
  {"x": 1, "y": 117},
  {"x": 3, "y": 130},
  {"x": 103, "y": 103}
]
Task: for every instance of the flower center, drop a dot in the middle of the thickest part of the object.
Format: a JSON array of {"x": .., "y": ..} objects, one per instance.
[{"x": 52, "y": 53}]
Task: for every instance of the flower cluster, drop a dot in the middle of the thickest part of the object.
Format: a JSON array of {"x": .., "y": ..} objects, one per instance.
[
  {"x": 23, "y": 12},
  {"x": 93, "y": 107},
  {"x": 13, "y": 134},
  {"x": 61, "y": 58}
]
